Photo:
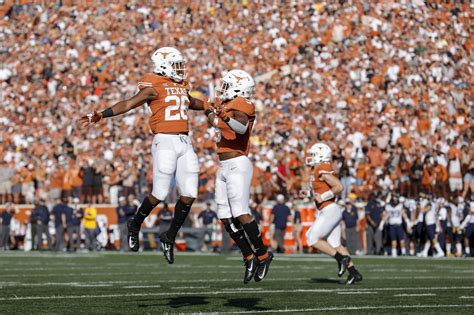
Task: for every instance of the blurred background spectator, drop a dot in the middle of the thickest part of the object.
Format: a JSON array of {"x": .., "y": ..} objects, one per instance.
[
  {"x": 59, "y": 215},
  {"x": 5, "y": 222},
  {"x": 39, "y": 225},
  {"x": 90, "y": 227},
  {"x": 279, "y": 219},
  {"x": 74, "y": 226},
  {"x": 209, "y": 220},
  {"x": 349, "y": 219}
]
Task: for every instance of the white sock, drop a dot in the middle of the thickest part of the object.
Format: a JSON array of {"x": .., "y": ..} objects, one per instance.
[
  {"x": 468, "y": 250},
  {"x": 412, "y": 251},
  {"x": 404, "y": 251},
  {"x": 427, "y": 248},
  {"x": 394, "y": 252},
  {"x": 448, "y": 247},
  {"x": 458, "y": 248},
  {"x": 439, "y": 249}
]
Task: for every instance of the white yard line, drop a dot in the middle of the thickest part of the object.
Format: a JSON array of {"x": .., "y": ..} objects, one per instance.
[
  {"x": 151, "y": 266},
  {"x": 141, "y": 286},
  {"x": 356, "y": 292},
  {"x": 242, "y": 289},
  {"x": 415, "y": 294},
  {"x": 41, "y": 284},
  {"x": 190, "y": 287},
  {"x": 352, "y": 308},
  {"x": 86, "y": 274},
  {"x": 250, "y": 291},
  {"x": 467, "y": 297}
]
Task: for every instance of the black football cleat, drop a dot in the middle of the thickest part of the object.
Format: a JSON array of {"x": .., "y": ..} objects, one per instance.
[
  {"x": 133, "y": 236},
  {"x": 250, "y": 268},
  {"x": 343, "y": 265},
  {"x": 262, "y": 268},
  {"x": 354, "y": 277},
  {"x": 167, "y": 247}
]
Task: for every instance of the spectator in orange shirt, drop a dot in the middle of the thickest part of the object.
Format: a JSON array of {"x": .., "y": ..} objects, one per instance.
[
  {"x": 405, "y": 140},
  {"x": 375, "y": 156},
  {"x": 68, "y": 179},
  {"x": 56, "y": 184},
  {"x": 404, "y": 183},
  {"x": 76, "y": 181},
  {"x": 428, "y": 176},
  {"x": 441, "y": 179}
]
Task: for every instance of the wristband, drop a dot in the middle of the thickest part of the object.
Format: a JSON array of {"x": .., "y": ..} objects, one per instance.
[
  {"x": 327, "y": 195},
  {"x": 107, "y": 113},
  {"x": 208, "y": 111}
]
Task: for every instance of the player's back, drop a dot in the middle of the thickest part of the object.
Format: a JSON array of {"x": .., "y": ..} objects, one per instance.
[
  {"x": 319, "y": 186},
  {"x": 169, "y": 109},
  {"x": 230, "y": 141}
]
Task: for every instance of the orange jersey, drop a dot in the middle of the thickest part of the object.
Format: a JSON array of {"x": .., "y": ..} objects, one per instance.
[
  {"x": 318, "y": 185},
  {"x": 229, "y": 141},
  {"x": 169, "y": 109}
]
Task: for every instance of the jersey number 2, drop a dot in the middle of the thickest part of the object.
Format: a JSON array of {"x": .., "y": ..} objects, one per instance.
[{"x": 180, "y": 103}]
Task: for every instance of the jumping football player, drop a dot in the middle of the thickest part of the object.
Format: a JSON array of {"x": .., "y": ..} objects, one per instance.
[
  {"x": 233, "y": 117},
  {"x": 325, "y": 232},
  {"x": 167, "y": 93}
]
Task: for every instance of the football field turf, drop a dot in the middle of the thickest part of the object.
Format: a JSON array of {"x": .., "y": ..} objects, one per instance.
[{"x": 145, "y": 283}]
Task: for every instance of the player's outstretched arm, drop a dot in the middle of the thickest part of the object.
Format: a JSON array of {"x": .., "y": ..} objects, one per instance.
[{"x": 145, "y": 95}]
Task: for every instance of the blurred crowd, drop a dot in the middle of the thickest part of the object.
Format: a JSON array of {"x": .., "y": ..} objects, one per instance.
[{"x": 387, "y": 84}]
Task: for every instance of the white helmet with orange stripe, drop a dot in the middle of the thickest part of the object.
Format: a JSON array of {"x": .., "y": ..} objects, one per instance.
[
  {"x": 318, "y": 153},
  {"x": 169, "y": 62}
]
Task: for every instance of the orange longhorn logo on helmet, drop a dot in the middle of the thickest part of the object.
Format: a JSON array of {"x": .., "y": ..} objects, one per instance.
[
  {"x": 238, "y": 78},
  {"x": 165, "y": 54}
]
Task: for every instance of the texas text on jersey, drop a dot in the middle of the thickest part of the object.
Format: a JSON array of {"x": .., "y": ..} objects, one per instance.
[
  {"x": 169, "y": 110},
  {"x": 318, "y": 185},
  {"x": 230, "y": 141}
]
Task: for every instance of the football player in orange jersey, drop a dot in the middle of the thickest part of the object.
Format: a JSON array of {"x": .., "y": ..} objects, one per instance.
[
  {"x": 167, "y": 94},
  {"x": 325, "y": 232},
  {"x": 233, "y": 117}
]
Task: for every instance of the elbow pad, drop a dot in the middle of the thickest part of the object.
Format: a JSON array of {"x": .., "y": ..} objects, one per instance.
[{"x": 237, "y": 126}]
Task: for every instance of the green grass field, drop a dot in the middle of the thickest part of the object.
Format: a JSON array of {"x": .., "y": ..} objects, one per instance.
[{"x": 145, "y": 283}]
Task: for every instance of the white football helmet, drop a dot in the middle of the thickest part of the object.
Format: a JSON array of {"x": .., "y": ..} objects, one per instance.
[
  {"x": 169, "y": 62},
  {"x": 318, "y": 153},
  {"x": 236, "y": 83}
]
